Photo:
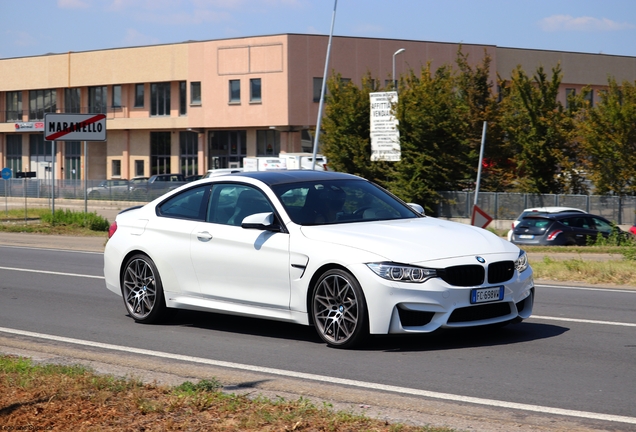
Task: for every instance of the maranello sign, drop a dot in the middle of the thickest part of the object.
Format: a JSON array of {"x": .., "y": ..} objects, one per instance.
[{"x": 75, "y": 127}]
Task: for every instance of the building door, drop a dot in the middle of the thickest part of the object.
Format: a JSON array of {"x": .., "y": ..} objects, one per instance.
[
  {"x": 226, "y": 149},
  {"x": 160, "y": 153}
]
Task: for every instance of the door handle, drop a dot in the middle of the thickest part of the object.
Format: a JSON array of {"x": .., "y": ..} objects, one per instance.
[{"x": 204, "y": 236}]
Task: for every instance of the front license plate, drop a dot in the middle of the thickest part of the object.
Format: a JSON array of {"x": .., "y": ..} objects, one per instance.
[
  {"x": 526, "y": 236},
  {"x": 484, "y": 295}
]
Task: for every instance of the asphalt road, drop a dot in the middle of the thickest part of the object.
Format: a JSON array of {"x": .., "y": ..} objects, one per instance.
[{"x": 577, "y": 354}]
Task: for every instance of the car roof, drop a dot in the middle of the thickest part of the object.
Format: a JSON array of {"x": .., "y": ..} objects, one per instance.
[
  {"x": 561, "y": 215},
  {"x": 554, "y": 209},
  {"x": 277, "y": 177}
]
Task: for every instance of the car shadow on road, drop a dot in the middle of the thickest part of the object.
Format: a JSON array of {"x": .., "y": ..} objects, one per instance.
[
  {"x": 443, "y": 339},
  {"x": 451, "y": 339},
  {"x": 243, "y": 325}
]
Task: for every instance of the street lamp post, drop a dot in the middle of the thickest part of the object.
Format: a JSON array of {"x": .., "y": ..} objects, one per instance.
[{"x": 400, "y": 51}]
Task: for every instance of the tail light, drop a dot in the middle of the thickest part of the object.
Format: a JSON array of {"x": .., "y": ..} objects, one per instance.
[
  {"x": 554, "y": 235},
  {"x": 112, "y": 229}
]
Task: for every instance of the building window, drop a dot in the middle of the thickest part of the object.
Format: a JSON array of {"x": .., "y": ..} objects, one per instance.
[
  {"x": 183, "y": 98},
  {"x": 195, "y": 93},
  {"x": 40, "y": 102},
  {"x": 14, "y": 106},
  {"x": 97, "y": 100},
  {"x": 255, "y": 90},
  {"x": 139, "y": 168},
  {"x": 72, "y": 100},
  {"x": 160, "y": 99},
  {"x": 159, "y": 153},
  {"x": 590, "y": 97},
  {"x": 14, "y": 153},
  {"x": 235, "y": 91},
  {"x": 116, "y": 167},
  {"x": 116, "y": 96},
  {"x": 139, "y": 95},
  {"x": 72, "y": 159},
  {"x": 267, "y": 142},
  {"x": 189, "y": 152},
  {"x": 317, "y": 88}
]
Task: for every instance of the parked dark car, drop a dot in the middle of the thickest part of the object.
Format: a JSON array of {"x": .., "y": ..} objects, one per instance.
[
  {"x": 563, "y": 229},
  {"x": 193, "y": 177}
]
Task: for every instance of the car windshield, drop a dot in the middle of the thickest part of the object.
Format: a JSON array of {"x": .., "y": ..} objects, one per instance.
[{"x": 339, "y": 201}]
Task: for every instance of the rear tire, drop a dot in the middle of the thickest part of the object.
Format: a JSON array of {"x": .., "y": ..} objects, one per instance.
[
  {"x": 142, "y": 290},
  {"x": 339, "y": 309}
]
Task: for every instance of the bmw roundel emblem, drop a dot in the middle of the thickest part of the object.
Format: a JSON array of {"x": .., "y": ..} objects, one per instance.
[{"x": 480, "y": 259}]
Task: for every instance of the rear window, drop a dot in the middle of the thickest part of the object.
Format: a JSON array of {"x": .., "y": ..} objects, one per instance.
[{"x": 535, "y": 223}]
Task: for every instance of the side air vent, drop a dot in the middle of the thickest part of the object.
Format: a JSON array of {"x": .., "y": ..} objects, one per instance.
[{"x": 413, "y": 318}]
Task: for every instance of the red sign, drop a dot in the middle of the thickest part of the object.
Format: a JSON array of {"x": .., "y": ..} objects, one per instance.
[{"x": 480, "y": 218}]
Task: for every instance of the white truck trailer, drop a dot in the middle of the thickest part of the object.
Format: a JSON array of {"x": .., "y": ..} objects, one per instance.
[
  {"x": 304, "y": 161},
  {"x": 263, "y": 163}
]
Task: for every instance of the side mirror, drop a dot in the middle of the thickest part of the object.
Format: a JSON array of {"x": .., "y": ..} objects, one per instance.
[
  {"x": 418, "y": 208},
  {"x": 261, "y": 221}
]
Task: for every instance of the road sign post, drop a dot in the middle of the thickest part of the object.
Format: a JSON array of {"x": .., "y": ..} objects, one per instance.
[
  {"x": 6, "y": 175},
  {"x": 480, "y": 218},
  {"x": 74, "y": 127}
]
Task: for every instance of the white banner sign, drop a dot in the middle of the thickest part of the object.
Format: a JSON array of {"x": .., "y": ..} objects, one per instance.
[{"x": 385, "y": 136}]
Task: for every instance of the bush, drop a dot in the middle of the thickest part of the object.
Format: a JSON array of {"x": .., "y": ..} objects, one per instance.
[{"x": 92, "y": 221}]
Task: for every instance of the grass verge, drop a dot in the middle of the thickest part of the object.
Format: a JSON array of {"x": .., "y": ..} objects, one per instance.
[
  {"x": 57, "y": 397},
  {"x": 64, "y": 222},
  {"x": 616, "y": 272}
]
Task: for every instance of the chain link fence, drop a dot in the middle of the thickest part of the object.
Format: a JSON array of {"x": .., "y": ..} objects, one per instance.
[
  {"x": 507, "y": 206},
  {"x": 453, "y": 205},
  {"x": 104, "y": 190}
]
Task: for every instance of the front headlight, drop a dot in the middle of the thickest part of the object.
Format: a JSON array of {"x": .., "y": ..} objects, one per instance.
[
  {"x": 521, "y": 263},
  {"x": 401, "y": 272}
]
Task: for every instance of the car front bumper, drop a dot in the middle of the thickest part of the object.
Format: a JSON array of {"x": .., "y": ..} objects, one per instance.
[{"x": 397, "y": 307}]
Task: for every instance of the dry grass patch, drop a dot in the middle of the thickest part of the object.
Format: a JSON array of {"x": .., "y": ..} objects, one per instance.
[
  {"x": 55, "y": 397},
  {"x": 619, "y": 272}
]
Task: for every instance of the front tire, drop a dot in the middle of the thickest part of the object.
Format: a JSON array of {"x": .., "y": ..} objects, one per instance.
[
  {"x": 339, "y": 309},
  {"x": 142, "y": 290}
]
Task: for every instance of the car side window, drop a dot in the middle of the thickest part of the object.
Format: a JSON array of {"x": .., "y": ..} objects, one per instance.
[
  {"x": 231, "y": 203},
  {"x": 189, "y": 204},
  {"x": 576, "y": 222},
  {"x": 601, "y": 225}
]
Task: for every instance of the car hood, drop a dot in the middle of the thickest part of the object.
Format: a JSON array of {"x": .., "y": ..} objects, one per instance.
[{"x": 413, "y": 240}]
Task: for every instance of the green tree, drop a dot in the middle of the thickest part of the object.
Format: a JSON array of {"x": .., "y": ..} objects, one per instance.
[
  {"x": 346, "y": 139},
  {"x": 540, "y": 131},
  {"x": 476, "y": 92},
  {"x": 433, "y": 137},
  {"x": 608, "y": 133}
]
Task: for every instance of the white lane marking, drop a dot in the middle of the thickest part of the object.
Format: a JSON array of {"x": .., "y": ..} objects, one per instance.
[
  {"x": 626, "y": 290},
  {"x": 583, "y": 321},
  {"x": 332, "y": 380},
  {"x": 51, "y": 272},
  {"x": 51, "y": 249}
]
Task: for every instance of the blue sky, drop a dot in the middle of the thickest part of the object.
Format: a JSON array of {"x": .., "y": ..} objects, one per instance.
[{"x": 35, "y": 27}]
